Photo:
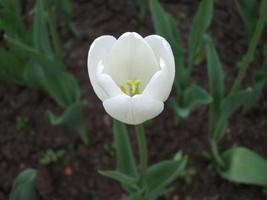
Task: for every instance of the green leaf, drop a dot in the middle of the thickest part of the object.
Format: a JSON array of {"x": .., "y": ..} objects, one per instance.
[
  {"x": 194, "y": 96},
  {"x": 234, "y": 101},
  {"x": 259, "y": 81},
  {"x": 40, "y": 33},
  {"x": 248, "y": 11},
  {"x": 12, "y": 67},
  {"x": 72, "y": 117},
  {"x": 165, "y": 26},
  {"x": 158, "y": 176},
  {"x": 228, "y": 106},
  {"x": 24, "y": 185},
  {"x": 64, "y": 8},
  {"x": 216, "y": 83},
  {"x": 12, "y": 20},
  {"x": 200, "y": 24},
  {"x": 125, "y": 159},
  {"x": 143, "y": 7},
  {"x": 215, "y": 74},
  {"x": 59, "y": 84},
  {"x": 244, "y": 166},
  {"x": 33, "y": 54},
  {"x": 124, "y": 179}
]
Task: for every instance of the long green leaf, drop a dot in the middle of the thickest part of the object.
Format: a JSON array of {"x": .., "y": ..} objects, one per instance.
[
  {"x": 124, "y": 179},
  {"x": 194, "y": 96},
  {"x": 259, "y": 81},
  {"x": 165, "y": 26},
  {"x": 59, "y": 84},
  {"x": 12, "y": 20},
  {"x": 200, "y": 24},
  {"x": 163, "y": 173},
  {"x": 24, "y": 186},
  {"x": 228, "y": 106},
  {"x": 40, "y": 31},
  {"x": 72, "y": 117},
  {"x": 216, "y": 82},
  {"x": 248, "y": 12},
  {"x": 29, "y": 52},
  {"x": 11, "y": 67},
  {"x": 244, "y": 166}
]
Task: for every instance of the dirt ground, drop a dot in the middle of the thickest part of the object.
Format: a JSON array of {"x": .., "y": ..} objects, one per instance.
[{"x": 78, "y": 178}]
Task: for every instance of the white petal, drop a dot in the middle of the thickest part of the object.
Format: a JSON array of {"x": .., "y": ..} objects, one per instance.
[
  {"x": 133, "y": 110},
  {"x": 108, "y": 86},
  {"x": 162, "y": 50},
  {"x": 131, "y": 58},
  {"x": 98, "y": 51},
  {"x": 159, "y": 87}
]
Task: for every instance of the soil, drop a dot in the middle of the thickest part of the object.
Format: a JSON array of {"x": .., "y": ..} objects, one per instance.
[{"x": 78, "y": 178}]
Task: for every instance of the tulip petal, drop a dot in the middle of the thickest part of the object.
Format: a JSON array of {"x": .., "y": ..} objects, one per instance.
[
  {"x": 107, "y": 84},
  {"x": 162, "y": 50},
  {"x": 159, "y": 87},
  {"x": 131, "y": 58},
  {"x": 133, "y": 110},
  {"x": 99, "y": 50}
]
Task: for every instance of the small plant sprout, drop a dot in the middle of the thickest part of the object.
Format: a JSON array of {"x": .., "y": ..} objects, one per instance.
[
  {"x": 133, "y": 76},
  {"x": 52, "y": 156},
  {"x": 22, "y": 123}
]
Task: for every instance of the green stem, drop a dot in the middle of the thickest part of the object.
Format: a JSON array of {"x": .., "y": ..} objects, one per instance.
[
  {"x": 53, "y": 30},
  {"x": 216, "y": 154},
  {"x": 248, "y": 58},
  {"x": 142, "y": 152}
]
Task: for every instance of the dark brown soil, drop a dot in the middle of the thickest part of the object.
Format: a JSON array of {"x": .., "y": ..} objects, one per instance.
[{"x": 78, "y": 179}]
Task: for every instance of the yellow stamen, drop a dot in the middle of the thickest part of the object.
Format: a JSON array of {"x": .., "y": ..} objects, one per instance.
[
  {"x": 123, "y": 89},
  {"x": 133, "y": 87}
]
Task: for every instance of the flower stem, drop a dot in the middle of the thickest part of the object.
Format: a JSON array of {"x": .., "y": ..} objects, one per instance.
[
  {"x": 248, "y": 58},
  {"x": 53, "y": 30},
  {"x": 143, "y": 155},
  {"x": 216, "y": 154}
]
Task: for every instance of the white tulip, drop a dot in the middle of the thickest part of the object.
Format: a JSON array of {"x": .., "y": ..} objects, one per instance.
[{"x": 132, "y": 75}]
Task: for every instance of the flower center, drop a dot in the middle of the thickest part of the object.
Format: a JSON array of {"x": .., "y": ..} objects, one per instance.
[{"x": 133, "y": 87}]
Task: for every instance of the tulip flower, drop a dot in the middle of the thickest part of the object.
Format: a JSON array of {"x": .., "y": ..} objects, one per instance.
[{"x": 132, "y": 75}]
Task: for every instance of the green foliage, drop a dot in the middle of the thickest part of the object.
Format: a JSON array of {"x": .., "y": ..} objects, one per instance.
[
  {"x": 248, "y": 11},
  {"x": 29, "y": 60},
  {"x": 238, "y": 164},
  {"x": 244, "y": 166},
  {"x": 194, "y": 96},
  {"x": 52, "y": 156},
  {"x": 41, "y": 40},
  {"x": 24, "y": 186},
  {"x": 165, "y": 26},
  {"x": 143, "y": 8},
  {"x": 73, "y": 117},
  {"x": 163, "y": 173},
  {"x": 200, "y": 24},
  {"x": 156, "y": 178},
  {"x": 124, "y": 179},
  {"x": 64, "y": 9},
  {"x": 259, "y": 81},
  {"x": 125, "y": 158},
  {"x": 190, "y": 96}
]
